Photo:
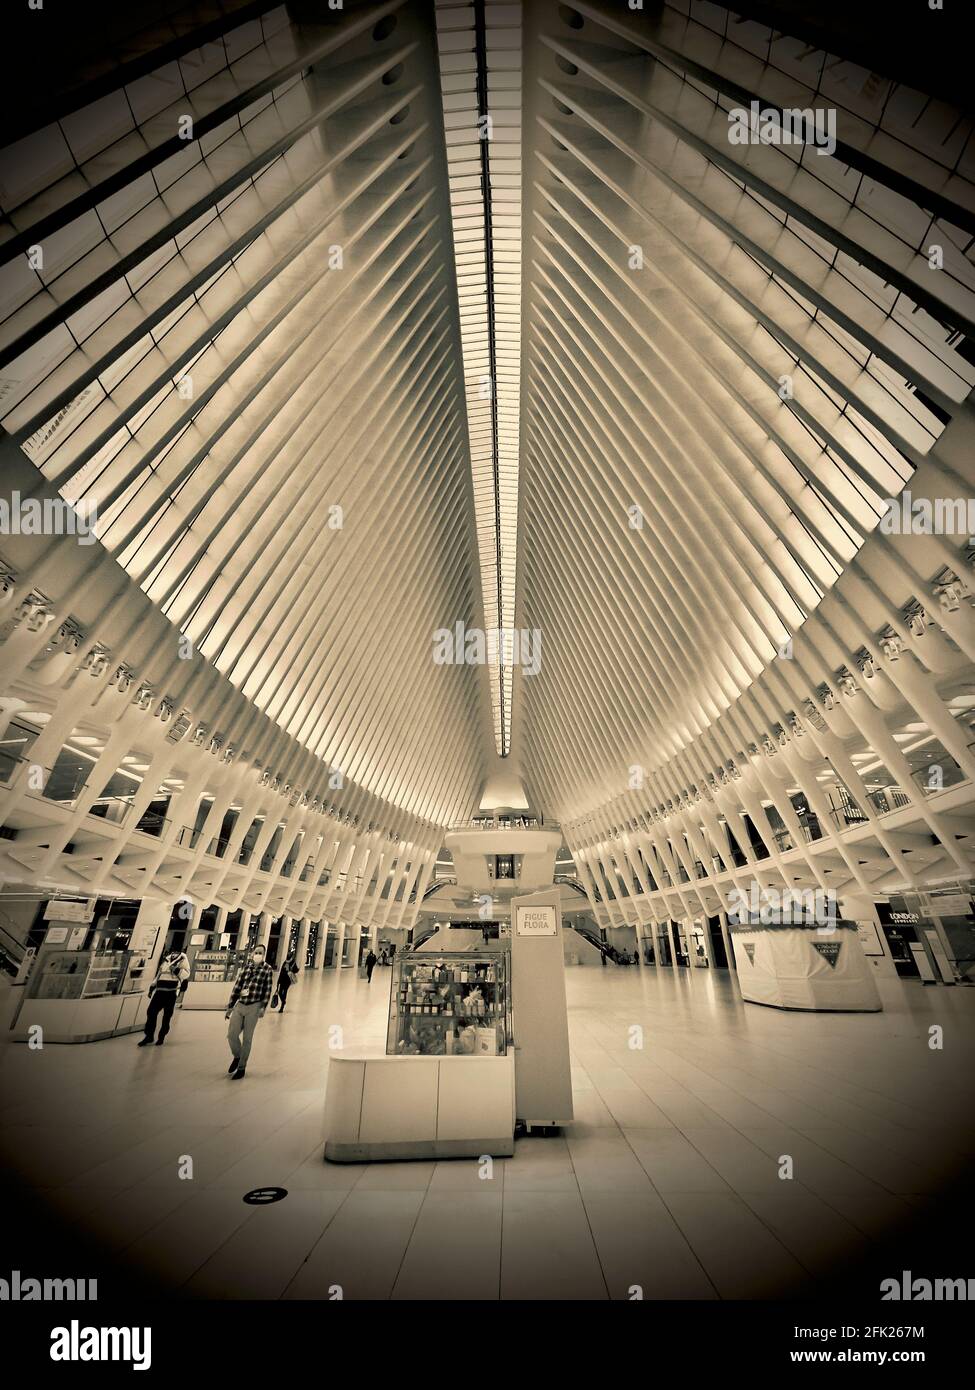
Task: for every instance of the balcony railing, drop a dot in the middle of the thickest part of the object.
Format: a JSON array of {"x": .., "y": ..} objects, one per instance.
[
  {"x": 152, "y": 823},
  {"x": 62, "y": 785},
  {"x": 507, "y": 823},
  {"x": 9, "y": 764},
  {"x": 941, "y": 772},
  {"x": 113, "y": 809},
  {"x": 848, "y": 816},
  {"x": 887, "y": 799}
]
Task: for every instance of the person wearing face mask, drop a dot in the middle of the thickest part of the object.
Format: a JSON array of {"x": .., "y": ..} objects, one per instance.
[
  {"x": 287, "y": 977},
  {"x": 173, "y": 972},
  {"x": 248, "y": 1003}
]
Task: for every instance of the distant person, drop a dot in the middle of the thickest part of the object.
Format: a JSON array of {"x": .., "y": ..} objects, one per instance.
[
  {"x": 248, "y": 1003},
  {"x": 371, "y": 959},
  {"x": 287, "y": 977},
  {"x": 171, "y": 977},
  {"x": 383, "y": 958}
]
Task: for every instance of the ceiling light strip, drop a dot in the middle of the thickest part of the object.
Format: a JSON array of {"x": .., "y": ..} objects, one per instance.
[
  {"x": 480, "y": 52},
  {"x": 480, "y": 62}
]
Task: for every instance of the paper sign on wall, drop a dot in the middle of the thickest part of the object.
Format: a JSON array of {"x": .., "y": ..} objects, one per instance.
[
  {"x": 143, "y": 939},
  {"x": 948, "y": 905},
  {"x": 60, "y": 910},
  {"x": 750, "y": 951},
  {"x": 870, "y": 938},
  {"x": 536, "y": 921}
]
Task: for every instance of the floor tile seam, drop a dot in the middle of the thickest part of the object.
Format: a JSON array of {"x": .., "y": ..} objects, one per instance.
[{"x": 676, "y": 1224}]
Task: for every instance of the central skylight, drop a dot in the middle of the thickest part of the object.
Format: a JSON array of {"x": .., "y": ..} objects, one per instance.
[{"x": 480, "y": 73}]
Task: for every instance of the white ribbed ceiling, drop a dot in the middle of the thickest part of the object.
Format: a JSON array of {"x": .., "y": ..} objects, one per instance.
[{"x": 339, "y": 373}]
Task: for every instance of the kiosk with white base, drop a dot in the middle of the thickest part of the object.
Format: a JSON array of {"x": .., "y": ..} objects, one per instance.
[
  {"x": 805, "y": 967},
  {"x": 78, "y": 996},
  {"x": 384, "y": 1107},
  {"x": 445, "y": 1087}
]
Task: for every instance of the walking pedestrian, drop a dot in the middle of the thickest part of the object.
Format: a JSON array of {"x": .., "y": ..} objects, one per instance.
[
  {"x": 286, "y": 978},
  {"x": 248, "y": 1003},
  {"x": 370, "y": 965},
  {"x": 173, "y": 972}
]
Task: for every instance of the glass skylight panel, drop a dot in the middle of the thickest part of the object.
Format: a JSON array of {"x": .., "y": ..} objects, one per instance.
[{"x": 490, "y": 322}]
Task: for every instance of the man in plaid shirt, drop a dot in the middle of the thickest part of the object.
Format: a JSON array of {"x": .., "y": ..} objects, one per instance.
[{"x": 248, "y": 1002}]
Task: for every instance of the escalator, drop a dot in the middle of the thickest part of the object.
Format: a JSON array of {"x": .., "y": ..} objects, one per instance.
[{"x": 12, "y": 949}]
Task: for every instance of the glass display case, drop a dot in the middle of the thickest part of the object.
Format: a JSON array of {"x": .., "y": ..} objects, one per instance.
[
  {"x": 215, "y": 967},
  {"x": 456, "y": 1003},
  {"x": 78, "y": 974}
]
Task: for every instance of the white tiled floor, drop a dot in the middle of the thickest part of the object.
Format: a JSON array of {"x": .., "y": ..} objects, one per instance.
[{"x": 668, "y": 1180}]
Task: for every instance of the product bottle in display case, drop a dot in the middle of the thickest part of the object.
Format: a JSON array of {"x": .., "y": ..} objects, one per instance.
[
  {"x": 454, "y": 1004},
  {"x": 215, "y": 967}
]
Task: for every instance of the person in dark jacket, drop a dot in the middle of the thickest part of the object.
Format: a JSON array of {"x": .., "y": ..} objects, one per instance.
[
  {"x": 173, "y": 972},
  {"x": 286, "y": 978},
  {"x": 370, "y": 964}
]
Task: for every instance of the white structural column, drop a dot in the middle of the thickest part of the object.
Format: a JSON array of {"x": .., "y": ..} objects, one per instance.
[{"x": 323, "y": 929}]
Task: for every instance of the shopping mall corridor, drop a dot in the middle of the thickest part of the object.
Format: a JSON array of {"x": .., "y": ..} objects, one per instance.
[{"x": 667, "y": 1184}]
